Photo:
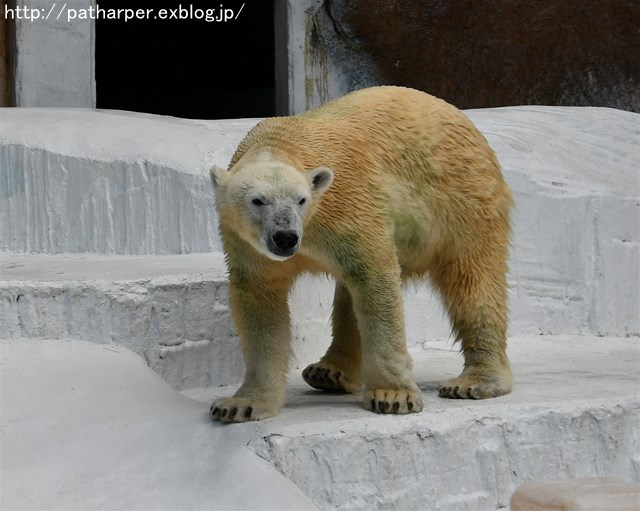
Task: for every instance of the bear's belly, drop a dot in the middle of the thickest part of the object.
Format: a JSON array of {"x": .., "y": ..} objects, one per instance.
[{"x": 416, "y": 242}]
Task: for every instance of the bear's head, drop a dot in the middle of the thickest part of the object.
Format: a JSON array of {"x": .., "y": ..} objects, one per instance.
[{"x": 267, "y": 202}]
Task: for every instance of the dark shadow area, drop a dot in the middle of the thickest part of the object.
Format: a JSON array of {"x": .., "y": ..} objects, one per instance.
[{"x": 187, "y": 65}]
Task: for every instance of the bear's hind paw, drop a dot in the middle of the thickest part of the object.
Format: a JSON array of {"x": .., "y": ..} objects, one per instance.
[
  {"x": 239, "y": 409},
  {"x": 393, "y": 401},
  {"x": 326, "y": 377},
  {"x": 477, "y": 386}
]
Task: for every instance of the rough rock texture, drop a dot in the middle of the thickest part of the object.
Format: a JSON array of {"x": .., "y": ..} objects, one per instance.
[
  {"x": 109, "y": 182},
  {"x": 477, "y": 54},
  {"x": 562, "y": 421}
]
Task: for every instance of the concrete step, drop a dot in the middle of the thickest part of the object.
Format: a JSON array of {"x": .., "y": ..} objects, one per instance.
[
  {"x": 574, "y": 412},
  {"x": 123, "y": 439},
  {"x": 88, "y": 426},
  {"x": 171, "y": 310}
]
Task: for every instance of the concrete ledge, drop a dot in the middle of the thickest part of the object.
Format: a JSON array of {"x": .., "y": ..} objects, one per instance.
[
  {"x": 110, "y": 182},
  {"x": 574, "y": 412},
  {"x": 88, "y": 426},
  {"x": 126, "y": 440},
  {"x": 171, "y": 310}
]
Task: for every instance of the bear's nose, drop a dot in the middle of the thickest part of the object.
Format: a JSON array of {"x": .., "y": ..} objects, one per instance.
[{"x": 285, "y": 240}]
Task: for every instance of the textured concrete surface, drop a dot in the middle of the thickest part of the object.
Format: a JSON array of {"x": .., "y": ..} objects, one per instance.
[
  {"x": 110, "y": 182},
  {"x": 171, "y": 310},
  {"x": 90, "y": 426},
  {"x": 54, "y": 61},
  {"x": 574, "y": 412}
]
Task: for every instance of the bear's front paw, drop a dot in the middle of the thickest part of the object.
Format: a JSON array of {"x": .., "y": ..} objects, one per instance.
[
  {"x": 240, "y": 409},
  {"x": 393, "y": 401}
]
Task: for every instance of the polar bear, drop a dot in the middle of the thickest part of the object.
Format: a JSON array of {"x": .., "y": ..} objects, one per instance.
[{"x": 381, "y": 186}]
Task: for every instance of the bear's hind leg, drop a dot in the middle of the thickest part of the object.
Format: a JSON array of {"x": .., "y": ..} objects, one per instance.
[
  {"x": 475, "y": 294},
  {"x": 340, "y": 368}
]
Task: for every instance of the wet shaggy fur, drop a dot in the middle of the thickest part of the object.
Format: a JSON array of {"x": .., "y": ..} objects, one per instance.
[{"x": 416, "y": 192}]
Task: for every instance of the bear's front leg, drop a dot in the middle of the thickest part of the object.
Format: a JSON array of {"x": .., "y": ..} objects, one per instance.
[
  {"x": 386, "y": 365},
  {"x": 261, "y": 315}
]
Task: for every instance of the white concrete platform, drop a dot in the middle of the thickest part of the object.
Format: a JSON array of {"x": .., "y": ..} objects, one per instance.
[
  {"x": 90, "y": 426},
  {"x": 574, "y": 412},
  {"x": 171, "y": 310},
  {"x": 87, "y": 427}
]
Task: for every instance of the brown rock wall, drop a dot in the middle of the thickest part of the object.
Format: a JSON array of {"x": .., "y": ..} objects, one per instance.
[{"x": 488, "y": 53}]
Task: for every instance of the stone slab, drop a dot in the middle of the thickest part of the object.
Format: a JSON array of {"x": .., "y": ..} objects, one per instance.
[
  {"x": 171, "y": 310},
  {"x": 574, "y": 413},
  {"x": 87, "y": 425}
]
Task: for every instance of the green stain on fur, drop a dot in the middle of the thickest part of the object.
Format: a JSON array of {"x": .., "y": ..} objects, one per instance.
[
  {"x": 347, "y": 249},
  {"x": 407, "y": 233}
]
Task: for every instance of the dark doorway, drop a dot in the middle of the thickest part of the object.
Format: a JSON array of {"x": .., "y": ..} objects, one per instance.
[{"x": 169, "y": 59}]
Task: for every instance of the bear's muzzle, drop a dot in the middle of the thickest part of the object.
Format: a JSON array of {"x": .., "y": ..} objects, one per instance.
[{"x": 284, "y": 243}]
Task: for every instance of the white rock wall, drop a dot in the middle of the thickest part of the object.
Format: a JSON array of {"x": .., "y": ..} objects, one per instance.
[
  {"x": 576, "y": 243},
  {"x": 110, "y": 182}
]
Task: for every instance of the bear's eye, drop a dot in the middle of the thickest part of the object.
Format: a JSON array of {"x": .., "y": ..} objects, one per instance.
[
  {"x": 257, "y": 202},
  {"x": 302, "y": 201}
]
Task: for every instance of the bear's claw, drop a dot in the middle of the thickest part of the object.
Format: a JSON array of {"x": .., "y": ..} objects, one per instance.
[
  {"x": 237, "y": 409},
  {"x": 393, "y": 401}
]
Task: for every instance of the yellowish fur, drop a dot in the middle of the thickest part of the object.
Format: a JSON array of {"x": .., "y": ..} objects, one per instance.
[{"x": 416, "y": 191}]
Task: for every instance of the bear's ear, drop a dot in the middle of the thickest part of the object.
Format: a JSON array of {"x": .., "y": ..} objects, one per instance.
[
  {"x": 218, "y": 176},
  {"x": 319, "y": 179}
]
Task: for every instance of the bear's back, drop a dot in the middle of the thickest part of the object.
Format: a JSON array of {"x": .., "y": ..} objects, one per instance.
[
  {"x": 386, "y": 120},
  {"x": 385, "y": 137}
]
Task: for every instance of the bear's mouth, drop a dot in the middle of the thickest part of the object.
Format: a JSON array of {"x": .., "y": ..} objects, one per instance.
[{"x": 283, "y": 253}]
